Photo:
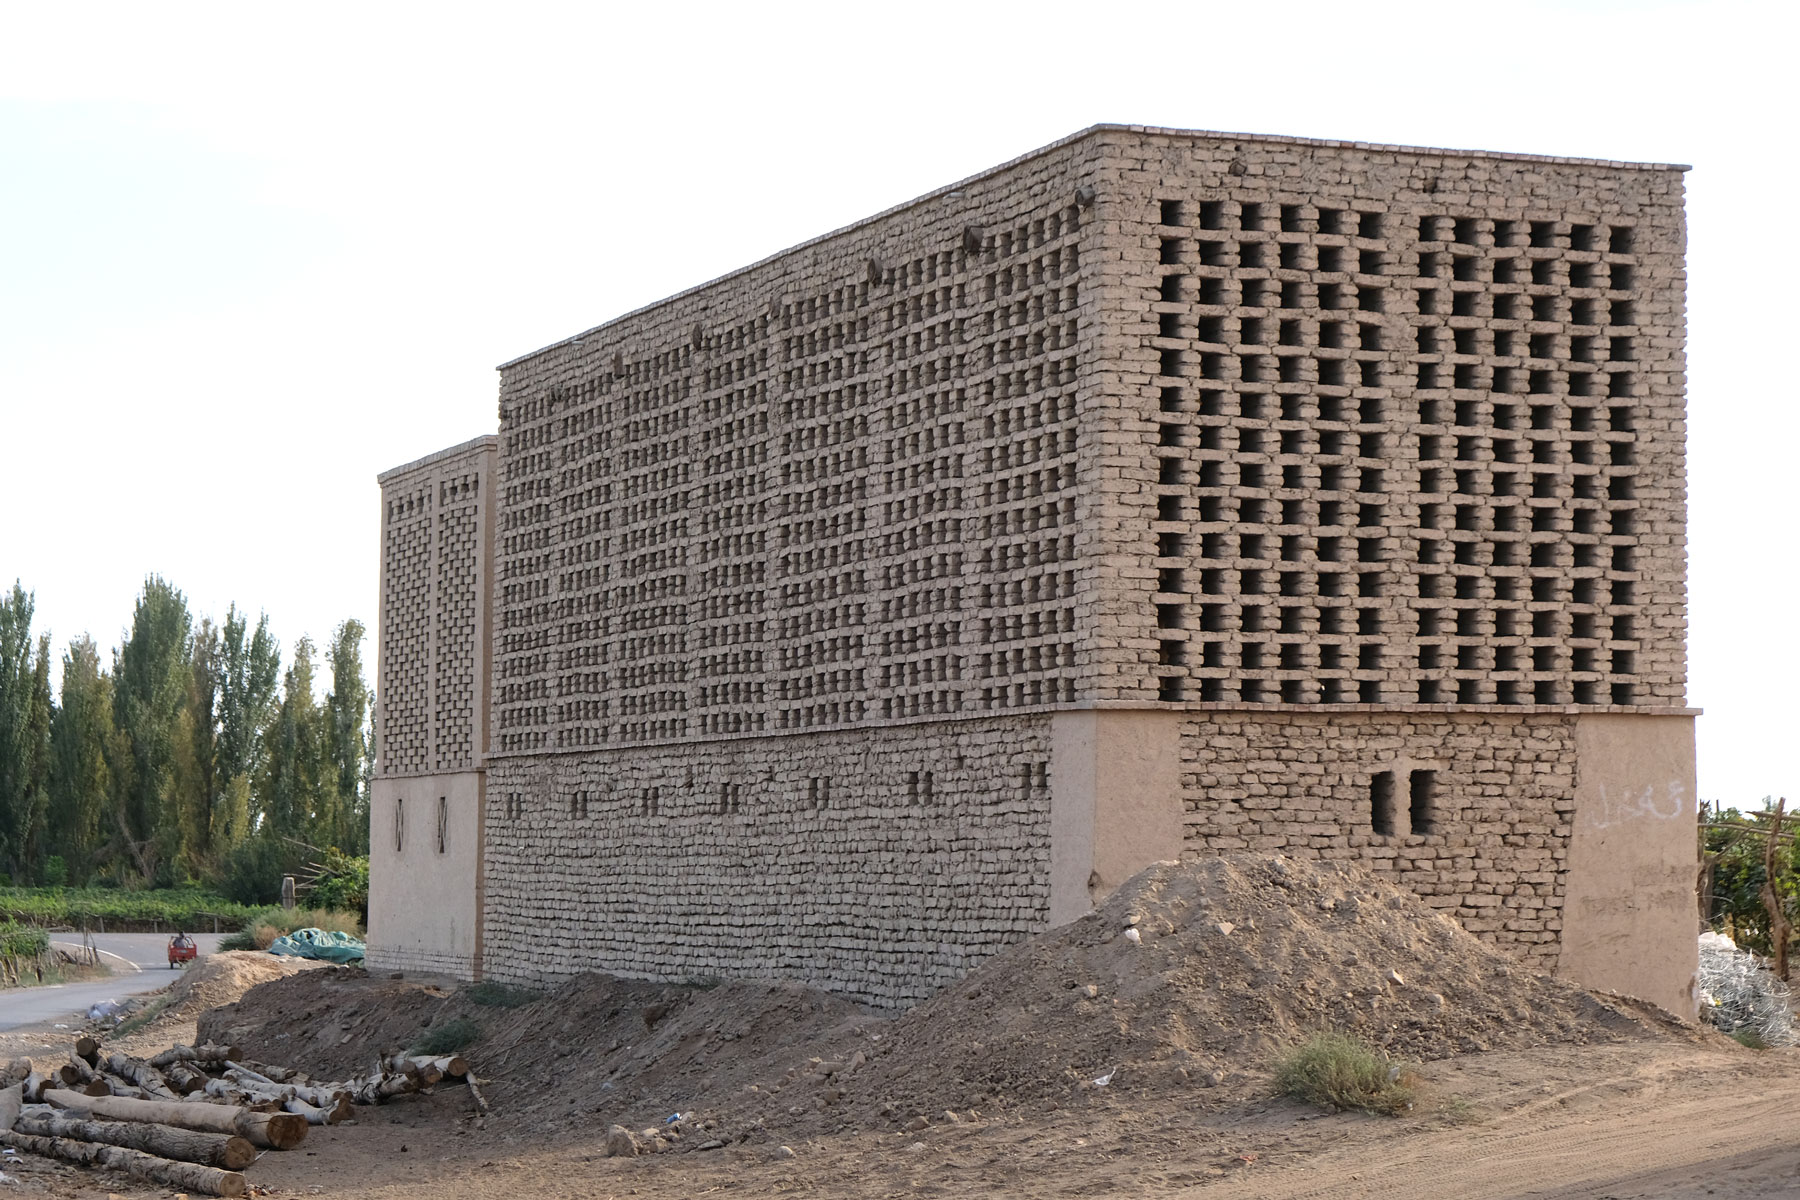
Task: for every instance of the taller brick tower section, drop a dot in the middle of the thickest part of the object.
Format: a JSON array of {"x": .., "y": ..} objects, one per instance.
[{"x": 1153, "y": 494}]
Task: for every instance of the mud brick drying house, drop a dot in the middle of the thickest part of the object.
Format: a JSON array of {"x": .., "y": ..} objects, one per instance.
[{"x": 883, "y": 602}]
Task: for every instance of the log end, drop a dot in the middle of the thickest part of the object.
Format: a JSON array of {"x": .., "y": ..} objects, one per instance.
[
  {"x": 236, "y": 1154},
  {"x": 286, "y": 1130}
]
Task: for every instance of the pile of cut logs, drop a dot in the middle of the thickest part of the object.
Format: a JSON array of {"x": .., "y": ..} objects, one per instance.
[{"x": 194, "y": 1116}]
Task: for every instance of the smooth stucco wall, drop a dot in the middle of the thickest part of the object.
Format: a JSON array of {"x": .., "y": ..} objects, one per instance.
[
  {"x": 1115, "y": 802},
  {"x": 425, "y": 901},
  {"x": 1629, "y": 915}
]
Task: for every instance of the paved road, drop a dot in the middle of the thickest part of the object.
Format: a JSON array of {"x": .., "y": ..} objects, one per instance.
[{"x": 139, "y": 961}]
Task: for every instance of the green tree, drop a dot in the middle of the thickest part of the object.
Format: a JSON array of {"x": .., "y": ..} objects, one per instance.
[
  {"x": 150, "y": 691},
  {"x": 347, "y": 724},
  {"x": 81, "y": 786},
  {"x": 289, "y": 788},
  {"x": 25, "y": 709},
  {"x": 200, "y": 792},
  {"x": 250, "y": 673}
]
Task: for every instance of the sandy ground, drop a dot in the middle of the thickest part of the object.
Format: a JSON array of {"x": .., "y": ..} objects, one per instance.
[{"x": 1651, "y": 1119}]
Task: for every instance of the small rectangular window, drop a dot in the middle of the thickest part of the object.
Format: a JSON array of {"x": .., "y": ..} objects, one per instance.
[
  {"x": 443, "y": 823},
  {"x": 1422, "y": 801},
  {"x": 1381, "y": 803}
]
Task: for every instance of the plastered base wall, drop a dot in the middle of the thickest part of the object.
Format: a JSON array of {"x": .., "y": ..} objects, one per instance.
[
  {"x": 425, "y": 894},
  {"x": 1629, "y": 917},
  {"x": 881, "y": 864}
]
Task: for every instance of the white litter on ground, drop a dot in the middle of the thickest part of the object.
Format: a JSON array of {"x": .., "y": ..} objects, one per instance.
[{"x": 1738, "y": 993}]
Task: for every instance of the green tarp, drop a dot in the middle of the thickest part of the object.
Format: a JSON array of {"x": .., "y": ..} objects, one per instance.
[{"x": 321, "y": 944}]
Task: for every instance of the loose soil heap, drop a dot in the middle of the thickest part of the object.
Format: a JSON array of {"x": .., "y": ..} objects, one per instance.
[
  {"x": 1191, "y": 976},
  {"x": 224, "y": 977}
]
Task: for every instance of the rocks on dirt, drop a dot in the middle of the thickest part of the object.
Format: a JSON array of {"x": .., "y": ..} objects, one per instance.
[{"x": 621, "y": 1143}]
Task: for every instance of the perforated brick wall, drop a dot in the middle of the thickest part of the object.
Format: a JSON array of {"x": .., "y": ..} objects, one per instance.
[
  {"x": 433, "y": 632},
  {"x": 1417, "y": 425}
]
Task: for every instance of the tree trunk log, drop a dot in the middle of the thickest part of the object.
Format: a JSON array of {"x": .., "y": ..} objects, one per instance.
[
  {"x": 209, "y": 1053},
  {"x": 142, "y": 1074},
  {"x": 451, "y": 1065},
  {"x": 481, "y": 1104},
  {"x": 184, "y": 1078},
  {"x": 228, "y": 1152},
  {"x": 224, "y": 1089},
  {"x": 188, "y": 1177},
  {"x": 272, "y": 1074},
  {"x": 87, "y": 1048},
  {"x": 123, "y": 1087},
  {"x": 256, "y": 1083},
  {"x": 272, "y": 1131}
]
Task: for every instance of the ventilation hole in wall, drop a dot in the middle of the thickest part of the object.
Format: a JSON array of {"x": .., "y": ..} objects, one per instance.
[
  {"x": 1169, "y": 325},
  {"x": 1168, "y": 688},
  {"x": 1171, "y": 213},
  {"x": 1170, "y": 363},
  {"x": 1582, "y": 237},
  {"x": 1622, "y": 693},
  {"x": 1170, "y": 545},
  {"x": 1171, "y": 288},
  {"x": 399, "y": 823},
  {"x": 1422, "y": 801},
  {"x": 1170, "y": 251},
  {"x": 1462, "y": 304},
  {"x": 1171, "y": 654},
  {"x": 1381, "y": 803}
]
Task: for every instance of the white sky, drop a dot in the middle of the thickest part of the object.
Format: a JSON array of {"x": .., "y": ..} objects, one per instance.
[{"x": 252, "y": 255}]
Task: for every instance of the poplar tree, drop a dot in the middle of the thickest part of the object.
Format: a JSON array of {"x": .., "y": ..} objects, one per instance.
[
  {"x": 347, "y": 720},
  {"x": 289, "y": 789},
  {"x": 150, "y": 690},
  {"x": 80, "y": 783},
  {"x": 24, "y": 733},
  {"x": 200, "y": 794},
  {"x": 249, "y": 674}
]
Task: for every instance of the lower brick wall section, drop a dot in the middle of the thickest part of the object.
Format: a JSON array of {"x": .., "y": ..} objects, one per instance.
[
  {"x": 1502, "y": 806},
  {"x": 881, "y": 864},
  {"x": 401, "y": 958}
]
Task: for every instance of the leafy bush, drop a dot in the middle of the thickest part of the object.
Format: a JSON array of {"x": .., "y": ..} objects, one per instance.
[
  {"x": 342, "y": 883},
  {"x": 447, "y": 1038},
  {"x": 92, "y": 907},
  {"x": 501, "y": 995},
  {"x": 266, "y": 924},
  {"x": 56, "y": 871},
  {"x": 22, "y": 941},
  {"x": 1337, "y": 1071}
]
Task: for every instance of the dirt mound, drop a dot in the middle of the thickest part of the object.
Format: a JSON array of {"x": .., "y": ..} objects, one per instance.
[
  {"x": 224, "y": 977},
  {"x": 1195, "y": 971},
  {"x": 1188, "y": 980},
  {"x": 595, "y": 1044}
]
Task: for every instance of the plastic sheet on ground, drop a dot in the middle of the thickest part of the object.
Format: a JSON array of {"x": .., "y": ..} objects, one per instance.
[
  {"x": 1739, "y": 994},
  {"x": 323, "y": 944}
]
